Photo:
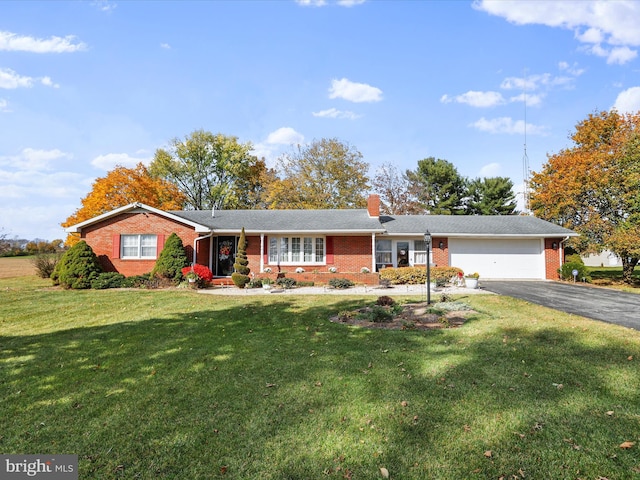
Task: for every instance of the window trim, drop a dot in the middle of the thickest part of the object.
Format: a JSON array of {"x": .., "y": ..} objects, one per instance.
[
  {"x": 139, "y": 246},
  {"x": 281, "y": 242}
]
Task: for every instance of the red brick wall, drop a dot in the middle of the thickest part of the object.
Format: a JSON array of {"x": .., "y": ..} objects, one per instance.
[
  {"x": 440, "y": 256},
  {"x": 100, "y": 238},
  {"x": 553, "y": 259}
]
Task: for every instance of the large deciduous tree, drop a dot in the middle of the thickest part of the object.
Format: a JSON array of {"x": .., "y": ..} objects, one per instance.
[
  {"x": 122, "y": 186},
  {"x": 438, "y": 187},
  {"x": 593, "y": 187},
  {"x": 490, "y": 196},
  {"x": 327, "y": 173},
  {"x": 208, "y": 168},
  {"x": 393, "y": 187}
]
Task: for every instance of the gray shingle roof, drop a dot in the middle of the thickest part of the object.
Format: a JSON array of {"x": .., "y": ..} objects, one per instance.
[
  {"x": 466, "y": 225},
  {"x": 265, "y": 221}
]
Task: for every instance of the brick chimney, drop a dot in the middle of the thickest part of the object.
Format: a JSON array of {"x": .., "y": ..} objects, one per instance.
[{"x": 373, "y": 205}]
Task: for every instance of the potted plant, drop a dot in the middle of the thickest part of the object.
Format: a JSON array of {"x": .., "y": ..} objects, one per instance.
[{"x": 471, "y": 280}]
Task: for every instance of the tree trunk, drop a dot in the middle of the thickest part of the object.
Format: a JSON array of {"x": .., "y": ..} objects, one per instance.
[{"x": 628, "y": 264}]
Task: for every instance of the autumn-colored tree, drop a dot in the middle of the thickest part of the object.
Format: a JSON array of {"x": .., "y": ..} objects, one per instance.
[
  {"x": 593, "y": 187},
  {"x": 396, "y": 197},
  {"x": 327, "y": 173},
  {"x": 211, "y": 170},
  {"x": 122, "y": 186}
]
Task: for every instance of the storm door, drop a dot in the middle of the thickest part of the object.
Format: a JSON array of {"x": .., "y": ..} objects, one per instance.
[{"x": 225, "y": 256}]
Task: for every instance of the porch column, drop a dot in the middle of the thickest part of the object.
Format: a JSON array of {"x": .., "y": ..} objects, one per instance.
[
  {"x": 373, "y": 252},
  {"x": 261, "y": 252}
]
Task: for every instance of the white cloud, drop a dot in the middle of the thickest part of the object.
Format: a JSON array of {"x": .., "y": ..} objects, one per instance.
[
  {"x": 507, "y": 125},
  {"x": 350, "y": 3},
  {"x": 4, "y": 106},
  {"x": 628, "y": 101},
  {"x": 335, "y": 113},
  {"x": 490, "y": 170},
  {"x": 354, "y": 92},
  {"x": 311, "y": 3},
  {"x": 476, "y": 99},
  {"x": 594, "y": 23},
  {"x": 14, "y": 42},
  {"x": 285, "y": 136},
  {"x": 166, "y": 46},
  {"x": 11, "y": 80},
  {"x": 104, "y": 5},
  {"x": 31, "y": 160},
  {"x": 533, "y": 100},
  {"x": 111, "y": 160}
]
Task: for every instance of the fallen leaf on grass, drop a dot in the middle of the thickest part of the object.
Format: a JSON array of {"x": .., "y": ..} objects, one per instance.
[
  {"x": 270, "y": 385},
  {"x": 630, "y": 357},
  {"x": 488, "y": 454},
  {"x": 610, "y": 413},
  {"x": 627, "y": 445},
  {"x": 384, "y": 472},
  {"x": 404, "y": 403}
]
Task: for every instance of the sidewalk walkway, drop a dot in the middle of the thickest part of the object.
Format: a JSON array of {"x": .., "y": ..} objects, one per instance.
[{"x": 357, "y": 290}]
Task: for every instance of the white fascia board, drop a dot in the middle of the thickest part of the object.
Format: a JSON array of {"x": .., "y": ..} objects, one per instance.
[
  {"x": 296, "y": 232},
  {"x": 133, "y": 206},
  {"x": 486, "y": 235}
]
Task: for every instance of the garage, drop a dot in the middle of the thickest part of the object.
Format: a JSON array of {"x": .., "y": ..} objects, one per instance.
[{"x": 520, "y": 258}]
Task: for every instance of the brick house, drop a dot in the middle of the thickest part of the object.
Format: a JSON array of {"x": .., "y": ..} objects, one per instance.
[{"x": 129, "y": 239}]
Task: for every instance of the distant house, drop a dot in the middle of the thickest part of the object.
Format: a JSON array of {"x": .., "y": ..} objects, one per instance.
[
  {"x": 129, "y": 239},
  {"x": 603, "y": 259}
]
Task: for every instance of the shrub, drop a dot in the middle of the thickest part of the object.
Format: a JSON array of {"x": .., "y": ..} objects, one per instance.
[
  {"x": 418, "y": 275},
  {"x": 202, "y": 274},
  {"x": 385, "y": 300},
  {"x": 574, "y": 258},
  {"x": 566, "y": 272},
  {"x": 285, "y": 282},
  {"x": 377, "y": 314},
  {"x": 240, "y": 276},
  {"x": 77, "y": 268},
  {"x": 140, "y": 281},
  {"x": 108, "y": 280},
  {"x": 340, "y": 283},
  {"x": 45, "y": 263},
  {"x": 172, "y": 260}
]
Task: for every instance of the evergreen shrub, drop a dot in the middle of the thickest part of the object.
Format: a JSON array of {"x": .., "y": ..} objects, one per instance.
[
  {"x": 77, "y": 268},
  {"x": 240, "y": 276},
  {"x": 171, "y": 260}
]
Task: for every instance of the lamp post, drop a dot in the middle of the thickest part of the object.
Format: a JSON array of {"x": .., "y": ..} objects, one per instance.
[{"x": 427, "y": 241}]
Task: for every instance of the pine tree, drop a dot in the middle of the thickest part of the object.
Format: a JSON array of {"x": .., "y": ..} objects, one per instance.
[
  {"x": 240, "y": 276},
  {"x": 172, "y": 260}
]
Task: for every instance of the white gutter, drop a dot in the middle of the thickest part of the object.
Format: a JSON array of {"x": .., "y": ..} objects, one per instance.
[
  {"x": 373, "y": 249},
  {"x": 261, "y": 252},
  {"x": 561, "y": 250}
]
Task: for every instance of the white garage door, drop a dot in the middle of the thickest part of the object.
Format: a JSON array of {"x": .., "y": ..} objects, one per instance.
[{"x": 498, "y": 258}]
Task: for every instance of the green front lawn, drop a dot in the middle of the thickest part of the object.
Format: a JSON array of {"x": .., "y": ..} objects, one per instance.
[{"x": 177, "y": 385}]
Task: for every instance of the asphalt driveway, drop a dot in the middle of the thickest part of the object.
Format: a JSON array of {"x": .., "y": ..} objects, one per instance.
[{"x": 602, "y": 304}]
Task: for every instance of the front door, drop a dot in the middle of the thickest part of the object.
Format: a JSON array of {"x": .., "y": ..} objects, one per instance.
[
  {"x": 225, "y": 256},
  {"x": 402, "y": 252}
]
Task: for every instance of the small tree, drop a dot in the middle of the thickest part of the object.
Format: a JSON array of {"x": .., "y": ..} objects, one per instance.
[
  {"x": 77, "y": 268},
  {"x": 172, "y": 259},
  {"x": 240, "y": 276}
]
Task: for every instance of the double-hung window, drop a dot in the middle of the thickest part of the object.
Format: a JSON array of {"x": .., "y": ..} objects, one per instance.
[
  {"x": 420, "y": 252},
  {"x": 138, "y": 246},
  {"x": 383, "y": 252},
  {"x": 296, "y": 250}
]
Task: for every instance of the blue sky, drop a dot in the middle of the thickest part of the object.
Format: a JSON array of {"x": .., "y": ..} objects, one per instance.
[{"x": 88, "y": 85}]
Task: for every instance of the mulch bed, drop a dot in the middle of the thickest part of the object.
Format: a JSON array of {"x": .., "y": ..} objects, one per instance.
[{"x": 414, "y": 316}]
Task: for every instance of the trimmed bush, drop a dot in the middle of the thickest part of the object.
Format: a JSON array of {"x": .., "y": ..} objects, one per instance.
[
  {"x": 172, "y": 260},
  {"x": 418, "y": 275},
  {"x": 285, "y": 282},
  {"x": 566, "y": 272},
  {"x": 240, "y": 276},
  {"x": 202, "y": 273},
  {"x": 77, "y": 268},
  {"x": 340, "y": 283},
  {"x": 108, "y": 280}
]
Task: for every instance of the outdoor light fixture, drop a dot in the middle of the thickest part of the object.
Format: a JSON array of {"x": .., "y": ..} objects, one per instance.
[
  {"x": 554, "y": 245},
  {"x": 441, "y": 245},
  {"x": 427, "y": 241}
]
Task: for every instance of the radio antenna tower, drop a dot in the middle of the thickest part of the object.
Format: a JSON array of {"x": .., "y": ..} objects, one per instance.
[{"x": 525, "y": 158}]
